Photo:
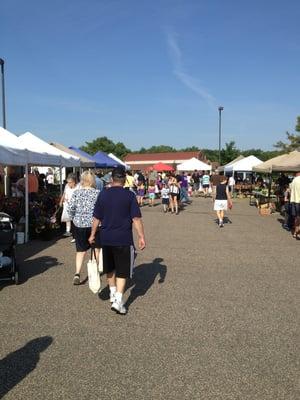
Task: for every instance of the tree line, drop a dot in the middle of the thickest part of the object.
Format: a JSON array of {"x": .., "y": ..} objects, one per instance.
[{"x": 228, "y": 152}]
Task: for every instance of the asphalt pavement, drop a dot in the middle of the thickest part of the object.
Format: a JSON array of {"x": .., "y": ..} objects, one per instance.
[{"x": 212, "y": 314}]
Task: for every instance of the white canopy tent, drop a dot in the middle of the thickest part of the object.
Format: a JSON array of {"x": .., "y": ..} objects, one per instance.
[
  {"x": 193, "y": 164},
  {"x": 244, "y": 165},
  {"x": 126, "y": 166},
  {"x": 32, "y": 156},
  {"x": 61, "y": 158},
  {"x": 284, "y": 163},
  {"x": 28, "y": 149}
]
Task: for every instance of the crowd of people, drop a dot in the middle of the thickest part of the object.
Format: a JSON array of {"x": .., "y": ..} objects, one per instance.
[
  {"x": 102, "y": 216},
  {"x": 103, "y": 219}
]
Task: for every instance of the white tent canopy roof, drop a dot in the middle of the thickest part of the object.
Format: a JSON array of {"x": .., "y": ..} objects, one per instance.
[
  {"x": 192, "y": 164},
  {"x": 55, "y": 156},
  {"x": 14, "y": 152},
  {"x": 11, "y": 152},
  {"x": 111, "y": 155},
  {"x": 244, "y": 165}
]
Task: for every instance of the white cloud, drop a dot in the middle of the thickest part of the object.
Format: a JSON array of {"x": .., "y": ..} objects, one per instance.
[{"x": 182, "y": 75}]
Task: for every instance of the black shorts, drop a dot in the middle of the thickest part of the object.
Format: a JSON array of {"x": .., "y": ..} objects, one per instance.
[
  {"x": 295, "y": 209},
  {"x": 205, "y": 186},
  {"x": 119, "y": 259},
  {"x": 81, "y": 236},
  {"x": 165, "y": 201}
]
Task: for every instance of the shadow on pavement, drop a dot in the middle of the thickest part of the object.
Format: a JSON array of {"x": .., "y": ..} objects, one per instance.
[
  {"x": 17, "y": 365},
  {"x": 30, "y": 268},
  {"x": 35, "y": 246},
  {"x": 143, "y": 278}
]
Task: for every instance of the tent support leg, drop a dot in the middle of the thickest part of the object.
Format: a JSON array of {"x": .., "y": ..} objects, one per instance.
[
  {"x": 60, "y": 180},
  {"x": 26, "y": 205},
  {"x": 269, "y": 188},
  {"x": 6, "y": 189}
]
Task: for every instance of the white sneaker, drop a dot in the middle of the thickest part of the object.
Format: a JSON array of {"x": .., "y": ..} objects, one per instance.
[
  {"x": 112, "y": 297},
  {"x": 118, "y": 307},
  {"x": 73, "y": 241}
]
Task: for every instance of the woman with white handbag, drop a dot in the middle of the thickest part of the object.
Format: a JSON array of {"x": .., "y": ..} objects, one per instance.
[{"x": 80, "y": 209}]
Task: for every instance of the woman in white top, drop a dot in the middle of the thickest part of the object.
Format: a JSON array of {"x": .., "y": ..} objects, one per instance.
[
  {"x": 174, "y": 194},
  {"x": 64, "y": 201}
]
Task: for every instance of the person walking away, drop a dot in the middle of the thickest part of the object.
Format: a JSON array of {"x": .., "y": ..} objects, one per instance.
[
  {"x": 205, "y": 183},
  {"x": 184, "y": 188},
  {"x": 140, "y": 193},
  {"x": 151, "y": 193},
  {"x": 215, "y": 180},
  {"x": 99, "y": 181},
  {"x": 231, "y": 183},
  {"x": 222, "y": 201},
  {"x": 174, "y": 195},
  {"x": 295, "y": 204},
  {"x": 165, "y": 197},
  {"x": 129, "y": 182},
  {"x": 288, "y": 218},
  {"x": 116, "y": 210},
  {"x": 64, "y": 202},
  {"x": 80, "y": 210},
  {"x": 196, "y": 180}
]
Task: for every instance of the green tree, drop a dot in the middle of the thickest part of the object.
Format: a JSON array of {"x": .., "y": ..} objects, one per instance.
[
  {"x": 107, "y": 146},
  {"x": 192, "y": 148},
  {"x": 157, "y": 149},
  {"x": 212, "y": 155},
  {"x": 229, "y": 153},
  {"x": 293, "y": 140}
]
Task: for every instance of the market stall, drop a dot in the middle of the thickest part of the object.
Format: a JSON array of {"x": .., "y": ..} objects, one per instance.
[
  {"x": 126, "y": 166},
  {"x": 25, "y": 153},
  {"x": 104, "y": 161},
  {"x": 222, "y": 167},
  {"x": 243, "y": 166},
  {"x": 287, "y": 163},
  {"x": 193, "y": 164},
  {"x": 84, "y": 161}
]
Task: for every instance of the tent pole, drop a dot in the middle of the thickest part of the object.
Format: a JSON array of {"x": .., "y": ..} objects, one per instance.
[
  {"x": 26, "y": 204},
  {"x": 269, "y": 189},
  {"x": 5, "y": 182},
  {"x": 60, "y": 179}
]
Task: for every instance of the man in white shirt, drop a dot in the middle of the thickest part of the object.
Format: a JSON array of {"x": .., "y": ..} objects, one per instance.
[{"x": 295, "y": 203}]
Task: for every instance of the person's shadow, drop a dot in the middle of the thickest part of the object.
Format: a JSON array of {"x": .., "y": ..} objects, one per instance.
[
  {"x": 17, "y": 365},
  {"x": 30, "y": 268},
  {"x": 144, "y": 276}
]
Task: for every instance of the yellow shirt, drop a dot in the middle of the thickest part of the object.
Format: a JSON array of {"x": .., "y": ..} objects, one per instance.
[{"x": 129, "y": 183}]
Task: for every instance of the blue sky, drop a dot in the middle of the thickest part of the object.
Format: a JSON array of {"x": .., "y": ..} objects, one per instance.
[{"x": 152, "y": 72}]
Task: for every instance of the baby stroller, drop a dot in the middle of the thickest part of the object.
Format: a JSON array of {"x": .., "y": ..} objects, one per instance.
[{"x": 8, "y": 265}]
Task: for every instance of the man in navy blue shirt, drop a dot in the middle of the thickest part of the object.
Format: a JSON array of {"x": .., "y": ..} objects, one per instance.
[{"x": 116, "y": 209}]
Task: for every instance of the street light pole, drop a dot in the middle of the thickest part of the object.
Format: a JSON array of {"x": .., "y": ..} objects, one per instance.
[
  {"x": 3, "y": 93},
  {"x": 220, "y": 111}
]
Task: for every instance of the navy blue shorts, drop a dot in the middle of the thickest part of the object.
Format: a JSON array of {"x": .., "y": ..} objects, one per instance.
[
  {"x": 81, "y": 236},
  {"x": 118, "y": 259}
]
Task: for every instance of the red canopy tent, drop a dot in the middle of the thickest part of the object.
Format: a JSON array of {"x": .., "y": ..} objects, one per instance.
[{"x": 162, "y": 167}]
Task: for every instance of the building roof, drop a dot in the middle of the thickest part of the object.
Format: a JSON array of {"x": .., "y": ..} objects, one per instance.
[{"x": 177, "y": 156}]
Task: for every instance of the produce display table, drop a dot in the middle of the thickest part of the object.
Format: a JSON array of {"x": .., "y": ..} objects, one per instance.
[{"x": 257, "y": 198}]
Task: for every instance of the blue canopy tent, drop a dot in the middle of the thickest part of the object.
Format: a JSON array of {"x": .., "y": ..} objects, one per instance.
[
  {"x": 104, "y": 161},
  {"x": 81, "y": 152}
]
